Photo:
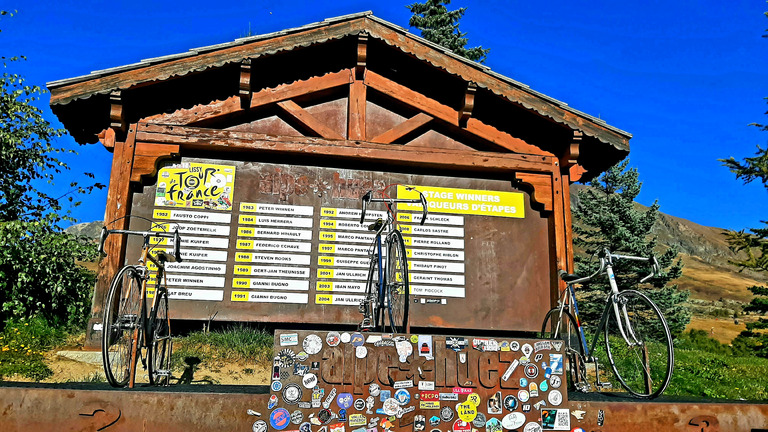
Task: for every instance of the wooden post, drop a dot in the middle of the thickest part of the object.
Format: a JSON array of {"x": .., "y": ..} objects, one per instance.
[{"x": 118, "y": 205}]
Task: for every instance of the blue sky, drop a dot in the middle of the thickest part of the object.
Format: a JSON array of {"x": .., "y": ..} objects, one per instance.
[{"x": 684, "y": 77}]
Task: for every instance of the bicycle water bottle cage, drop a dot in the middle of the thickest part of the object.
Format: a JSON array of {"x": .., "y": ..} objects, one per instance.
[{"x": 376, "y": 225}]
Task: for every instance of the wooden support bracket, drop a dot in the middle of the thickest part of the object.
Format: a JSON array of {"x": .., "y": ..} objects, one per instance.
[
  {"x": 116, "y": 114},
  {"x": 362, "y": 55},
  {"x": 542, "y": 187},
  {"x": 245, "y": 84},
  {"x": 570, "y": 159},
  {"x": 469, "y": 104}
]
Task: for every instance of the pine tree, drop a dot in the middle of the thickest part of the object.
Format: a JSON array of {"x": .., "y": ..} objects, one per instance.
[
  {"x": 606, "y": 217},
  {"x": 755, "y": 244},
  {"x": 441, "y": 26}
]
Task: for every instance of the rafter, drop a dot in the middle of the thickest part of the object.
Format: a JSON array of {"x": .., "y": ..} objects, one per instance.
[
  {"x": 308, "y": 120},
  {"x": 403, "y": 128},
  {"x": 449, "y": 115}
]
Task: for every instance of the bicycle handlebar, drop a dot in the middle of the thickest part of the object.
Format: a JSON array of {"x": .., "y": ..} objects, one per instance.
[
  {"x": 368, "y": 198},
  {"x": 175, "y": 236},
  {"x": 606, "y": 256}
]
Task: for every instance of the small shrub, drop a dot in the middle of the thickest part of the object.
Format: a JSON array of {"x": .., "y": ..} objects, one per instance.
[
  {"x": 23, "y": 344},
  {"x": 233, "y": 344}
]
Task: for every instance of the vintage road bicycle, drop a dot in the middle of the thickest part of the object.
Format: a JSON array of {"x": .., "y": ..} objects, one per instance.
[
  {"x": 387, "y": 289},
  {"x": 637, "y": 339},
  {"x": 132, "y": 324}
]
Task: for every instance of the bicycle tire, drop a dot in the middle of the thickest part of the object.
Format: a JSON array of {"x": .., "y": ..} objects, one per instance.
[
  {"x": 652, "y": 356},
  {"x": 573, "y": 348},
  {"x": 369, "y": 303},
  {"x": 122, "y": 313},
  {"x": 160, "y": 346},
  {"x": 397, "y": 283}
]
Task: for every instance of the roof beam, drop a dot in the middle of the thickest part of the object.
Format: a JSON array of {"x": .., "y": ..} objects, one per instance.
[
  {"x": 403, "y": 128},
  {"x": 449, "y": 115},
  {"x": 308, "y": 121}
]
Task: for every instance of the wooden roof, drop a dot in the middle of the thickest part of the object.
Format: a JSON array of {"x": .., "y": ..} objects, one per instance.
[{"x": 463, "y": 96}]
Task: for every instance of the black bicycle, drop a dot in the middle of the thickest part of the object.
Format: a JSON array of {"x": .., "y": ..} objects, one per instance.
[
  {"x": 387, "y": 290},
  {"x": 131, "y": 325}
]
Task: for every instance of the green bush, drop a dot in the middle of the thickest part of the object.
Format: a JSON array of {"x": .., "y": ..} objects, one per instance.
[
  {"x": 232, "y": 344},
  {"x": 700, "y": 340},
  {"x": 39, "y": 277},
  {"x": 23, "y": 344}
]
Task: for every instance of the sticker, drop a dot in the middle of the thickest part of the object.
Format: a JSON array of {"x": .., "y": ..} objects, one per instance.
[
  {"x": 426, "y": 385},
  {"x": 259, "y": 426},
  {"x": 345, "y": 337},
  {"x": 513, "y": 420},
  {"x": 479, "y": 420},
  {"x": 527, "y": 350},
  {"x": 493, "y": 425},
  {"x": 385, "y": 394},
  {"x": 374, "y": 389},
  {"x": 309, "y": 380},
  {"x": 289, "y": 339},
  {"x": 325, "y": 416},
  {"x": 302, "y": 356},
  {"x": 474, "y": 399},
  {"x": 305, "y": 405},
  {"x": 524, "y": 360},
  {"x": 533, "y": 390},
  {"x": 344, "y": 400},
  {"x": 286, "y": 357},
  {"x": 279, "y": 419},
  {"x": 510, "y": 370},
  {"x": 523, "y": 382},
  {"x": 462, "y": 390},
  {"x": 523, "y": 395},
  {"x": 384, "y": 342},
  {"x": 342, "y": 415},
  {"x": 555, "y": 381},
  {"x": 305, "y": 427},
  {"x": 542, "y": 346},
  {"x": 300, "y": 369},
  {"x": 544, "y": 386},
  {"x": 372, "y": 339},
  {"x": 531, "y": 370},
  {"x": 403, "y": 384},
  {"x": 539, "y": 404},
  {"x": 456, "y": 343},
  {"x": 336, "y": 427},
  {"x": 526, "y": 408},
  {"x": 446, "y": 414},
  {"x": 434, "y": 421},
  {"x": 462, "y": 357},
  {"x": 369, "y": 402},
  {"x": 419, "y": 423},
  {"x": 555, "y": 419},
  {"x": 461, "y": 426},
  {"x": 485, "y": 344},
  {"x": 386, "y": 424},
  {"x": 359, "y": 404},
  {"x": 357, "y": 339},
  {"x": 317, "y": 396},
  {"x": 329, "y": 398},
  {"x": 357, "y": 420},
  {"x": 390, "y": 407},
  {"x": 449, "y": 397},
  {"x": 404, "y": 350},
  {"x": 425, "y": 346},
  {"x": 429, "y": 395},
  {"x": 510, "y": 403},
  {"x": 332, "y": 338},
  {"x": 532, "y": 427},
  {"x": 556, "y": 363},
  {"x": 600, "y": 417},
  {"x": 312, "y": 344},
  {"x": 555, "y": 397},
  {"x": 296, "y": 417},
  {"x": 429, "y": 404},
  {"x": 538, "y": 357},
  {"x": 292, "y": 394},
  {"x": 361, "y": 352},
  {"x": 402, "y": 397},
  {"x": 272, "y": 402},
  {"x": 514, "y": 346},
  {"x": 276, "y": 386},
  {"x": 467, "y": 411},
  {"x": 494, "y": 403},
  {"x": 414, "y": 339},
  {"x": 558, "y": 345},
  {"x": 504, "y": 346}
]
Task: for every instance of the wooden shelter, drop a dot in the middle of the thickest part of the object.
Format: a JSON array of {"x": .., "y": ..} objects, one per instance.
[{"x": 298, "y": 124}]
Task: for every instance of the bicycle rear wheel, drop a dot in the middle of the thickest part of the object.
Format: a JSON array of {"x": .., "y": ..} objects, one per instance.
[
  {"x": 644, "y": 366},
  {"x": 159, "y": 353},
  {"x": 397, "y": 283},
  {"x": 122, "y": 317},
  {"x": 564, "y": 327}
]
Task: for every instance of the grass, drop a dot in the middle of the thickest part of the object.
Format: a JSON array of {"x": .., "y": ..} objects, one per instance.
[
  {"x": 233, "y": 344},
  {"x": 23, "y": 344}
]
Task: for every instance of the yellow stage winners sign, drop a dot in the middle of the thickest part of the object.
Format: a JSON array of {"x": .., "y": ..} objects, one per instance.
[
  {"x": 196, "y": 185},
  {"x": 465, "y": 201}
]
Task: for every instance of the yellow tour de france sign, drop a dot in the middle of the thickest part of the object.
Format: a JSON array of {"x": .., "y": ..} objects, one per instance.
[
  {"x": 196, "y": 185},
  {"x": 465, "y": 201}
]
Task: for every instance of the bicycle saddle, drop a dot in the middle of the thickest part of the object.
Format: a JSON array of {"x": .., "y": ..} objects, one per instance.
[
  {"x": 568, "y": 277},
  {"x": 376, "y": 225},
  {"x": 165, "y": 257}
]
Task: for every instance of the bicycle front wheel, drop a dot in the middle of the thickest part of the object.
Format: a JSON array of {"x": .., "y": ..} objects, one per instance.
[
  {"x": 397, "y": 283},
  {"x": 639, "y": 345},
  {"x": 563, "y": 327},
  {"x": 122, "y": 317},
  {"x": 159, "y": 353}
]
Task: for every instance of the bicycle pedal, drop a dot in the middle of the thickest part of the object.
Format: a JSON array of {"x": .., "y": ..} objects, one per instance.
[{"x": 605, "y": 385}]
